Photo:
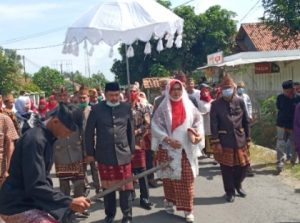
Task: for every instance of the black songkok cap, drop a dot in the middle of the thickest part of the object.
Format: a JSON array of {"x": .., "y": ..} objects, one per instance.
[
  {"x": 288, "y": 84},
  {"x": 112, "y": 86},
  {"x": 69, "y": 115}
]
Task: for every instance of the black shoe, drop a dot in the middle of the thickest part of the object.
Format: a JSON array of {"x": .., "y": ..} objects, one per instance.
[
  {"x": 230, "y": 198},
  {"x": 241, "y": 192},
  {"x": 109, "y": 219},
  {"x": 250, "y": 172},
  {"x": 126, "y": 220},
  {"x": 145, "y": 203}
]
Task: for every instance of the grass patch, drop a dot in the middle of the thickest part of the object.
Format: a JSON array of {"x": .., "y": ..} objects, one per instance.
[{"x": 264, "y": 158}]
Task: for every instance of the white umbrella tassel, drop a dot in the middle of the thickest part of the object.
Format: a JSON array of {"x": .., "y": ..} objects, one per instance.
[
  {"x": 65, "y": 48},
  {"x": 111, "y": 52},
  {"x": 130, "y": 52},
  {"x": 170, "y": 41},
  {"x": 91, "y": 51},
  {"x": 160, "y": 46},
  {"x": 178, "y": 41},
  {"x": 147, "y": 48},
  {"x": 75, "y": 49}
]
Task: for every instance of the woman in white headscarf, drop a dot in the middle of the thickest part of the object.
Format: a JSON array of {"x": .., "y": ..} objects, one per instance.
[
  {"x": 26, "y": 117},
  {"x": 178, "y": 126}
]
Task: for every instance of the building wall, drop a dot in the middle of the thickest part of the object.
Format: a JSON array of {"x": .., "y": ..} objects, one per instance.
[{"x": 261, "y": 86}]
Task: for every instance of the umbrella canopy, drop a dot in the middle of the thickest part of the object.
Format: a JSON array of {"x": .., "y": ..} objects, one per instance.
[{"x": 125, "y": 21}]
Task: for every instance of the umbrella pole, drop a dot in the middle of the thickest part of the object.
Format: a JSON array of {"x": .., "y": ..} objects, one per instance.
[
  {"x": 127, "y": 67},
  {"x": 127, "y": 71}
]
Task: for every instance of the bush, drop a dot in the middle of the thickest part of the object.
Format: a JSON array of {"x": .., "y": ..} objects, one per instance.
[{"x": 264, "y": 129}]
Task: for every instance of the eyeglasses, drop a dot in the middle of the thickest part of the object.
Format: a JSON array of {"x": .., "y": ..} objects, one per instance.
[
  {"x": 176, "y": 89},
  {"x": 133, "y": 91}
]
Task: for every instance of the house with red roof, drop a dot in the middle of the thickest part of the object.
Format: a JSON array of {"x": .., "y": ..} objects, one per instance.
[{"x": 262, "y": 60}]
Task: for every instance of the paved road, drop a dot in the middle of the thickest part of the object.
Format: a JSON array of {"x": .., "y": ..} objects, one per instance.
[{"x": 269, "y": 200}]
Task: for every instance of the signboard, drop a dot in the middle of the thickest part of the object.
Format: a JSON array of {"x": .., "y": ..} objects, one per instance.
[
  {"x": 215, "y": 58},
  {"x": 266, "y": 68}
]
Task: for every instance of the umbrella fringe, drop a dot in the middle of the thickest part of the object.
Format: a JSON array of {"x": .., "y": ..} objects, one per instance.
[
  {"x": 147, "y": 48},
  {"x": 130, "y": 52},
  {"x": 160, "y": 46}
]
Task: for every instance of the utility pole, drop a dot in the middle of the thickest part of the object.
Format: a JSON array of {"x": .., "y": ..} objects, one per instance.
[
  {"x": 61, "y": 69},
  {"x": 24, "y": 69}
]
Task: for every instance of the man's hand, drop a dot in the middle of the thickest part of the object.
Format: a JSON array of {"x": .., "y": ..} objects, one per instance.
[
  {"x": 89, "y": 159},
  {"x": 80, "y": 204},
  {"x": 6, "y": 174}
]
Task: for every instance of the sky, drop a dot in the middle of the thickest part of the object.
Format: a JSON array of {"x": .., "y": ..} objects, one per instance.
[{"x": 35, "y": 23}]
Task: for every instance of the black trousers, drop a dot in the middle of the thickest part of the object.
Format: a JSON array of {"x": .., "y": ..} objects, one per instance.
[
  {"x": 143, "y": 183},
  {"x": 149, "y": 162},
  {"x": 233, "y": 177},
  {"x": 110, "y": 204}
]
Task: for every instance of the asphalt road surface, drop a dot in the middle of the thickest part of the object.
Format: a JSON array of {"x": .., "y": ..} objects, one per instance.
[{"x": 269, "y": 200}]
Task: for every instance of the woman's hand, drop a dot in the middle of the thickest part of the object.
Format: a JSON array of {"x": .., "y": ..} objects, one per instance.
[{"x": 175, "y": 144}]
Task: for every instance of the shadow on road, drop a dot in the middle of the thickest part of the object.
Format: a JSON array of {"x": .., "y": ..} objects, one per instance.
[
  {"x": 264, "y": 169},
  {"x": 209, "y": 200},
  {"x": 160, "y": 216}
]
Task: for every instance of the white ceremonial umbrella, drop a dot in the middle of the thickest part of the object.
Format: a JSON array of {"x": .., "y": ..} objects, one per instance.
[{"x": 125, "y": 21}]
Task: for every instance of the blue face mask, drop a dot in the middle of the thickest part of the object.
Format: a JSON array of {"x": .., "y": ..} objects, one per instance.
[
  {"x": 227, "y": 92},
  {"x": 110, "y": 104},
  {"x": 240, "y": 91}
]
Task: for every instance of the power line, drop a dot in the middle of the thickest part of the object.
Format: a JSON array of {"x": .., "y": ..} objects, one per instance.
[
  {"x": 31, "y": 36},
  {"x": 38, "y": 48},
  {"x": 245, "y": 16}
]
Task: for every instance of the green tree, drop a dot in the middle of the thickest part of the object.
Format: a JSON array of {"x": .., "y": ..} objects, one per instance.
[
  {"x": 165, "y": 3},
  {"x": 48, "y": 79},
  {"x": 203, "y": 34},
  {"x": 158, "y": 70},
  {"x": 10, "y": 70},
  {"x": 282, "y": 16}
]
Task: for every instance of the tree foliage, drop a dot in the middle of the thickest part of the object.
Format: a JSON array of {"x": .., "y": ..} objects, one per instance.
[
  {"x": 10, "y": 70},
  {"x": 282, "y": 16},
  {"x": 48, "y": 79},
  {"x": 96, "y": 80},
  {"x": 203, "y": 34}
]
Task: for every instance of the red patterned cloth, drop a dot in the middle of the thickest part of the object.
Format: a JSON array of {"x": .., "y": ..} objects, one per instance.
[
  {"x": 180, "y": 192},
  {"x": 110, "y": 175},
  {"x": 139, "y": 158},
  {"x": 178, "y": 110},
  {"x": 233, "y": 157},
  {"x": 31, "y": 216}
]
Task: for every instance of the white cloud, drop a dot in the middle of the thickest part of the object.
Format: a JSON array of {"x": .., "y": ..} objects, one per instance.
[{"x": 25, "y": 11}]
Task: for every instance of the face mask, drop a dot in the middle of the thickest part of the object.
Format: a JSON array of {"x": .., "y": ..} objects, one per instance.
[
  {"x": 163, "y": 92},
  {"x": 227, "y": 92},
  {"x": 93, "y": 103},
  {"x": 133, "y": 96},
  {"x": 110, "y": 104},
  {"x": 83, "y": 104},
  {"x": 240, "y": 91}
]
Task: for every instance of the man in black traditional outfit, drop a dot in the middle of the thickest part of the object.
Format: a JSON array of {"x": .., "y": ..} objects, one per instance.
[
  {"x": 27, "y": 195},
  {"x": 114, "y": 147},
  {"x": 230, "y": 128}
]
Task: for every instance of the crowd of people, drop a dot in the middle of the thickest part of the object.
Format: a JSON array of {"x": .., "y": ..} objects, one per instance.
[{"x": 118, "y": 135}]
